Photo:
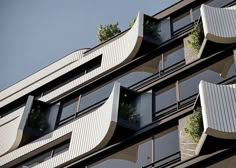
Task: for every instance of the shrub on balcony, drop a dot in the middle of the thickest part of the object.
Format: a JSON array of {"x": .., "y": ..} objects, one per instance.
[
  {"x": 194, "y": 127},
  {"x": 106, "y": 32},
  {"x": 196, "y": 37},
  {"x": 37, "y": 119},
  {"x": 151, "y": 29},
  {"x": 128, "y": 111}
]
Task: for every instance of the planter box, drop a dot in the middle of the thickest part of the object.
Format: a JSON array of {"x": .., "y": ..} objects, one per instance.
[
  {"x": 190, "y": 54},
  {"x": 187, "y": 145}
]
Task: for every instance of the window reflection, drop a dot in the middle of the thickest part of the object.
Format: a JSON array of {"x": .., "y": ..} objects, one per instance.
[
  {"x": 171, "y": 59},
  {"x": 146, "y": 152},
  {"x": 95, "y": 96},
  {"x": 45, "y": 155},
  {"x": 132, "y": 157},
  {"x": 165, "y": 97},
  {"x": 69, "y": 108},
  {"x": 173, "y": 56},
  {"x": 196, "y": 13},
  {"x": 214, "y": 74},
  {"x": 165, "y": 29},
  {"x": 166, "y": 145},
  {"x": 181, "y": 21}
]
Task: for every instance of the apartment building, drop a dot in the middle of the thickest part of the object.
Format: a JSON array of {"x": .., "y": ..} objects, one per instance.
[{"x": 132, "y": 101}]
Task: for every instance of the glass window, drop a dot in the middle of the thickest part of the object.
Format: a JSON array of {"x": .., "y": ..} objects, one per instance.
[
  {"x": 135, "y": 156},
  {"x": 95, "y": 96},
  {"x": 214, "y": 74},
  {"x": 37, "y": 160},
  {"x": 166, "y": 145},
  {"x": 61, "y": 82},
  {"x": 133, "y": 77},
  {"x": 69, "y": 108},
  {"x": 140, "y": 73},
  {"x": 74, "y": 74},
  {"x": 173, "y": 56},
  {"x": 165, "y": 30},
  {"x": 45, "y": 155},
  {"x": 181, "y": 21},
  {"x": 61, "y": 148},
  {"x": 165, "y": 97},
  {"x": 196, "y": 13},
  {"x": 146, "y": 152}
]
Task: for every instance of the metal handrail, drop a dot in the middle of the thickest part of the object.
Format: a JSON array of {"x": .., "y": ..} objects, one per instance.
[
  {"x": 165, "y": 158},
  {"x": 80, "y": 113},
  {"x": 182, "y": 29},
  {"x": 161, "y": 73}
]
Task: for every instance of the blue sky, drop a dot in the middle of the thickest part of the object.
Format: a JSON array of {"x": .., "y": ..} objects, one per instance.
[{"x": 35, "y": 33}]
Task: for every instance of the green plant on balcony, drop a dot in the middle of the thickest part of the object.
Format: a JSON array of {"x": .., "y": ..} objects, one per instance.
[
  {"x": 106, "y": 32},
  {"x": 194, "y": 126},
  {"x": 37, "y": 119},
  {"x": 128, "y": 111},
  {"x": 196, "y": 37},
  {"x": 151, "y": 29}
]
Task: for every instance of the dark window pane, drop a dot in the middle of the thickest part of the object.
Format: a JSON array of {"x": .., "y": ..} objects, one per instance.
[
  {"x": 173, "y": 56},
  {"x": 166, "y": 145},
  {"x": 196, "y": 14},
  {"x": 165, "y": 30},
  {"x": 214, "y": 74},
  {"x": 140, "y": 73},
  {"x": 181, "y": 21},
  {"x": 64, "y": 81},
  {"x": 45, "y": 155},
  {"x": 165, "y": 97},
  {"x": 61, "y": 148},
  {"x": 132, "y": 78},
  {"x": 135, "y": 156},
  {"x": 37, "y": 160},
  {"x": 69, "y": 108},
  {"x": 95, "y": 96}
]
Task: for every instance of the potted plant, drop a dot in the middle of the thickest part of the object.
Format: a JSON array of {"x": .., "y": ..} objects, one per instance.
[
  {"x": 151, "y": 29},
  {"x": 194, "y": 127},
  {"x": 196, "y": 37},
  {"x": 128, "y": 116}
]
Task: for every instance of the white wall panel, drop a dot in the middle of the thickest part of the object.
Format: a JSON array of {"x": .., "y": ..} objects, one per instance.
[
  {"x": 219, "y": 24},
  {"x": 10, "y": 135},
  {"x": 218, "y": 109}
]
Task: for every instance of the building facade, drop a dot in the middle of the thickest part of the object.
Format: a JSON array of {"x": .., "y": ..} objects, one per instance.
[{"x": 160, "y": 94}]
